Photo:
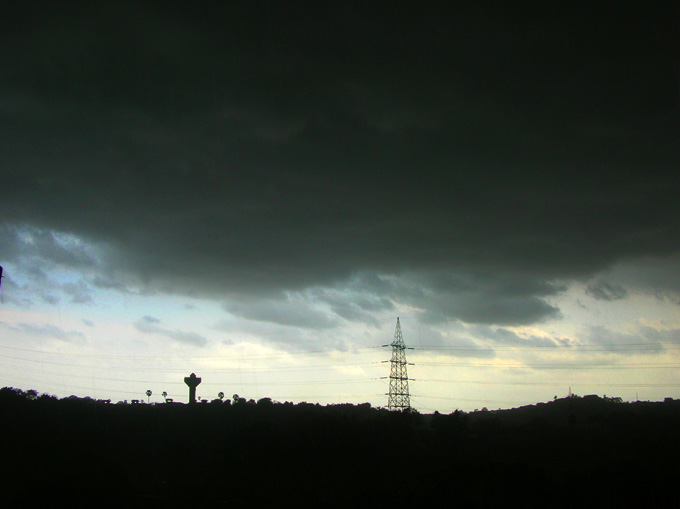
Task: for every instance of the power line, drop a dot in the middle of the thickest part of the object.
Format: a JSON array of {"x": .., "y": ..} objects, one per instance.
[
  {"x": 166, "y": 369},
  {"x": 311, "y": 353},
  {"x": 658, "y": 365},
  {"x": 553, "y": 384},
  {"x": 356, "y": 351},
  {"x": 565, "y": 348},
  {"x": 502, "y": 402}
]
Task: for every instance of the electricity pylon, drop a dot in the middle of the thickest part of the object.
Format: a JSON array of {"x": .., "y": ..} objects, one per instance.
[{"x": 399, "y": 398}]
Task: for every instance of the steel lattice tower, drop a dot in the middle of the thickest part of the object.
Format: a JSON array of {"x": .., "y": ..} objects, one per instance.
[{"x": 399, "y": 398}]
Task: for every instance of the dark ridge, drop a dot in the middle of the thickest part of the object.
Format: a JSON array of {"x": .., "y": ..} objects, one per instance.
[{"x": 573, "y": 452}]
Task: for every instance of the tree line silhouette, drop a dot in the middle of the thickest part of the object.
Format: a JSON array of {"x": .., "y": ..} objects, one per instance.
[{"x": 578, "y": 451}]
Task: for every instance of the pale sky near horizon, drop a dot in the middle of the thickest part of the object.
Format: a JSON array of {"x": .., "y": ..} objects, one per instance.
[{"x": 254, "y": 192}]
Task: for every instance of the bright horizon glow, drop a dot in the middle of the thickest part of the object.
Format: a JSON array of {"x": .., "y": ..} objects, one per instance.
[{"x": 103, "y": 351}]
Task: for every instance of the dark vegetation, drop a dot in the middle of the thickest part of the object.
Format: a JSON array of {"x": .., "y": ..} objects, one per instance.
[{"x": 571, "y": 452}]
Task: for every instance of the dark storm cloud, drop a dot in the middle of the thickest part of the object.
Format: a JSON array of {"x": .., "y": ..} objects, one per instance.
[
  {"x": 256, "y": 149},
  {"x": 490, "y": 297},
  {"x": 656, "y": 277},
  {"x": 497, "y": 298}
]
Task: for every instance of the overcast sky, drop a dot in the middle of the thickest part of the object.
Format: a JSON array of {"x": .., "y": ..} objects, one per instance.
[{"x": 256, "y": 190}]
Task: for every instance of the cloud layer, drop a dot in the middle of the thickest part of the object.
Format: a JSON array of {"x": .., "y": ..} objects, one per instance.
[
  {"x": 151, "y": 325},
  {"x": 461, "y": 160}
]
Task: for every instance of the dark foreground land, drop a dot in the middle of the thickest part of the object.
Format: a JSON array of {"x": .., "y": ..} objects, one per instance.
[{"x": 574, "y": 452}]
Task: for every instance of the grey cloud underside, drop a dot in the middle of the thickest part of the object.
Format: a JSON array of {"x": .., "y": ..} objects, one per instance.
[
  {"x": 151, "y": 325},
  {"x": 653, "y": 340},
  {"x": 601, "y": 290},
  {"x": 230, "y": 152},
  {"x": 46, "y": 331},
  {"x": 607, "y": 344},
  {"x": 283, "y": 311},
  {"x": 35, "y": 254},
  {"x": 502, "y": 336},
  {"x": 51, "y": 331}
]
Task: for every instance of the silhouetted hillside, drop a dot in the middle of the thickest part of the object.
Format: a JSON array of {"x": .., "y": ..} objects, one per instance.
[{"x": 571, "y": 452}]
